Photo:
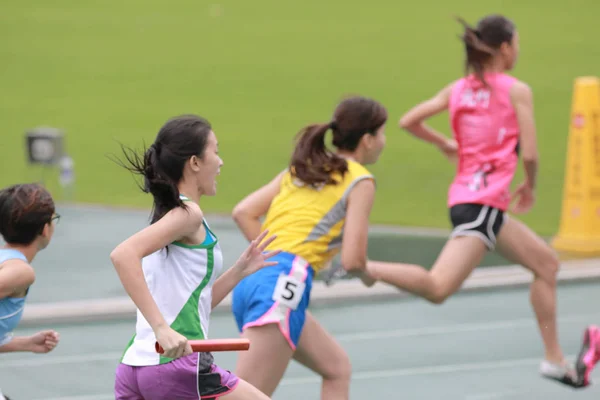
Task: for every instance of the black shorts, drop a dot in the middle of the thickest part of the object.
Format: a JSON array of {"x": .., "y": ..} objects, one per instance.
[{"x": 477, "y": 220}]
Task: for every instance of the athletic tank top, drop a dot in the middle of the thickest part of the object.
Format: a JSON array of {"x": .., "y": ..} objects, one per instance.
[
  {"x": 11, "y": 308},
  {"x": 180, "y": 279},
  {"x": 309, "y": 221},
  {"x": 485, "y": 126}
]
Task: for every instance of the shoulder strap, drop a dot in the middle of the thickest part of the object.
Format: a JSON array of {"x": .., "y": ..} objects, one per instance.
[{"x": 11, "y": 254}]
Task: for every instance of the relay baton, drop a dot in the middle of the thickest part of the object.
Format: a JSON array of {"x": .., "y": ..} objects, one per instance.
[{"x": 210, "y": 345}]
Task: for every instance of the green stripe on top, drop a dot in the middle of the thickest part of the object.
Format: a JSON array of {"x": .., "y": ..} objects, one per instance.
[
  {"x": 188, "y": 321},
  {"x": 128, "y": 346}
]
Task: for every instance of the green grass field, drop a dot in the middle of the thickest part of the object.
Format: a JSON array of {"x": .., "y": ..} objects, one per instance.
[{"x": 109, "y": 72}]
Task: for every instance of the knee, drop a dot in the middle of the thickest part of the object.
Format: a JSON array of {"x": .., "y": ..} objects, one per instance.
[
  {"x": 339, "y": 369},
  {"x": 553, "y": 264},
  {"x": 548, "y": 266},
  {"x": 438, "y": 293},
  {"x": 437, "y": 298},
  {"x": 431, "y": 288}
]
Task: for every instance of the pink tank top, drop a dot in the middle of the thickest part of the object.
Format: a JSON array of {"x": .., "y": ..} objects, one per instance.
[{"x": 485, "y": 126}]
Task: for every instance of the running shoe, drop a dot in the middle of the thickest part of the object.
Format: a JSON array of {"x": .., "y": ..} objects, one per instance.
[
  {"x": 589, "y": 354},
  {"x": 561, "y": 373}
]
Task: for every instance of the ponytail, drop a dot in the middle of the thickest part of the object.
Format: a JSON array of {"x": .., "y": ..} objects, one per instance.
[
  {"x": 477, "y": 52},
  {"x": 156, "y": 181},
  {"x": 312, "y": 162}
]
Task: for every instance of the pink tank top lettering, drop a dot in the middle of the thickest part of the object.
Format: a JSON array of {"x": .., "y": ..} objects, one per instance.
[{"x": 485, "y": 126}]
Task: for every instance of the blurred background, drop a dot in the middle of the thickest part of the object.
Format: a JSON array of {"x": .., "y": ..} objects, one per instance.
[{"x": 97, "y": 74}]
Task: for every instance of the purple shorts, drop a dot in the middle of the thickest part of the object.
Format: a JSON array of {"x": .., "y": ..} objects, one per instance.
[{"x": 185, "y": 378}]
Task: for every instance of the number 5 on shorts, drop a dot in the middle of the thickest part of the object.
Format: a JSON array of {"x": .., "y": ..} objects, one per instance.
[{"x": 288, "y": 291}]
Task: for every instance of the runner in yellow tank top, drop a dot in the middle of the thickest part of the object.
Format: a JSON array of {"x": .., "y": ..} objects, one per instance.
[
  {"x": 316, "y": 208},
  {"x": 309, "y": 221}
]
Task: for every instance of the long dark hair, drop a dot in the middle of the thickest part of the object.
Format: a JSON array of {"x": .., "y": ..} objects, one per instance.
[
  {"x": 25, "y": 209},
  {"x": 161, "y": 165},
  {"x": 354, "y": 117},
  {"x": 482, "y": 42}
]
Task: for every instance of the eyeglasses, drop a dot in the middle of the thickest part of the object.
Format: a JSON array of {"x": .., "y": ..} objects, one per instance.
[{"x": 56, "y": 217}]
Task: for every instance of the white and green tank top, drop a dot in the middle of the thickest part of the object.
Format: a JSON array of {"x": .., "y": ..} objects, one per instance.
[{"x": 180, "y": 279}]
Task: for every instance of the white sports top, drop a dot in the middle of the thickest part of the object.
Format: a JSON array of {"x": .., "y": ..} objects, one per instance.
[{"x": 180, "y": 279}]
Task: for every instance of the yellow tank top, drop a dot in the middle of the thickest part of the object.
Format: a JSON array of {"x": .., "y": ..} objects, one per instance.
[{"x": 309, "y": 221}]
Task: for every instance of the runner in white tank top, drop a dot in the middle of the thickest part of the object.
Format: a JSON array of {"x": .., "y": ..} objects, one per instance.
[
  {"x": 171, "y": 271},
  {"x": 180, "y": 278}
]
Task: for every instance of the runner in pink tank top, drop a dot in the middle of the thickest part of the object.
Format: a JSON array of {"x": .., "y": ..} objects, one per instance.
[
  {"x": 486, "y": 130},
  {"x": 491, "y": 116}
]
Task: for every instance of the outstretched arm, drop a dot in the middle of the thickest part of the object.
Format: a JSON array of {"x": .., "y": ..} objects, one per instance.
[{"x": 251, "y": 260}]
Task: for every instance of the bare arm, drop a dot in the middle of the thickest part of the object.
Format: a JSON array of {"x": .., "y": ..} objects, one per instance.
[
  {"x": 356, "y": 226},
  {"x": 18, "y": 343},
  {"x": 413, "y": 120},
  {"x": 15, "y": 277},
  {"x": 522, "y": 99},
  {"x": 126, "y": 257},
  {"x": 252, "y": 259},
  {"x": 41, "y": 342},
  {"x": 247, "y": 212},
  {"x": 224, "y": 285}
]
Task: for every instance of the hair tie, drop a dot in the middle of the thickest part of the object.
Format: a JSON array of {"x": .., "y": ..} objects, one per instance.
[
  {"x": 155, "y": 148},
  {"x": 332, "y": 125}
]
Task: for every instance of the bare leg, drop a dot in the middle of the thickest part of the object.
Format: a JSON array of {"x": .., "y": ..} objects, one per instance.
[
  {"x": 319, "y": 351},
  {"x": 455, "y": 263},
  {"x": 245, "y": 391},
  {"x": 521, "y": 245},
  {"x": 264, "y": 364}
]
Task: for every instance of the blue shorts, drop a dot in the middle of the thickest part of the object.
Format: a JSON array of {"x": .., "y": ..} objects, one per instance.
[{"x": 275, "y": 295}]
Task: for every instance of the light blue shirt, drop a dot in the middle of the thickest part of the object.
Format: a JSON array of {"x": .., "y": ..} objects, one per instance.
[{"x": 11, "y": 308}]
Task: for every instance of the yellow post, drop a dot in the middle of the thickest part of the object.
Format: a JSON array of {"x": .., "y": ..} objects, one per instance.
[{"x": 579, "y": 232}]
